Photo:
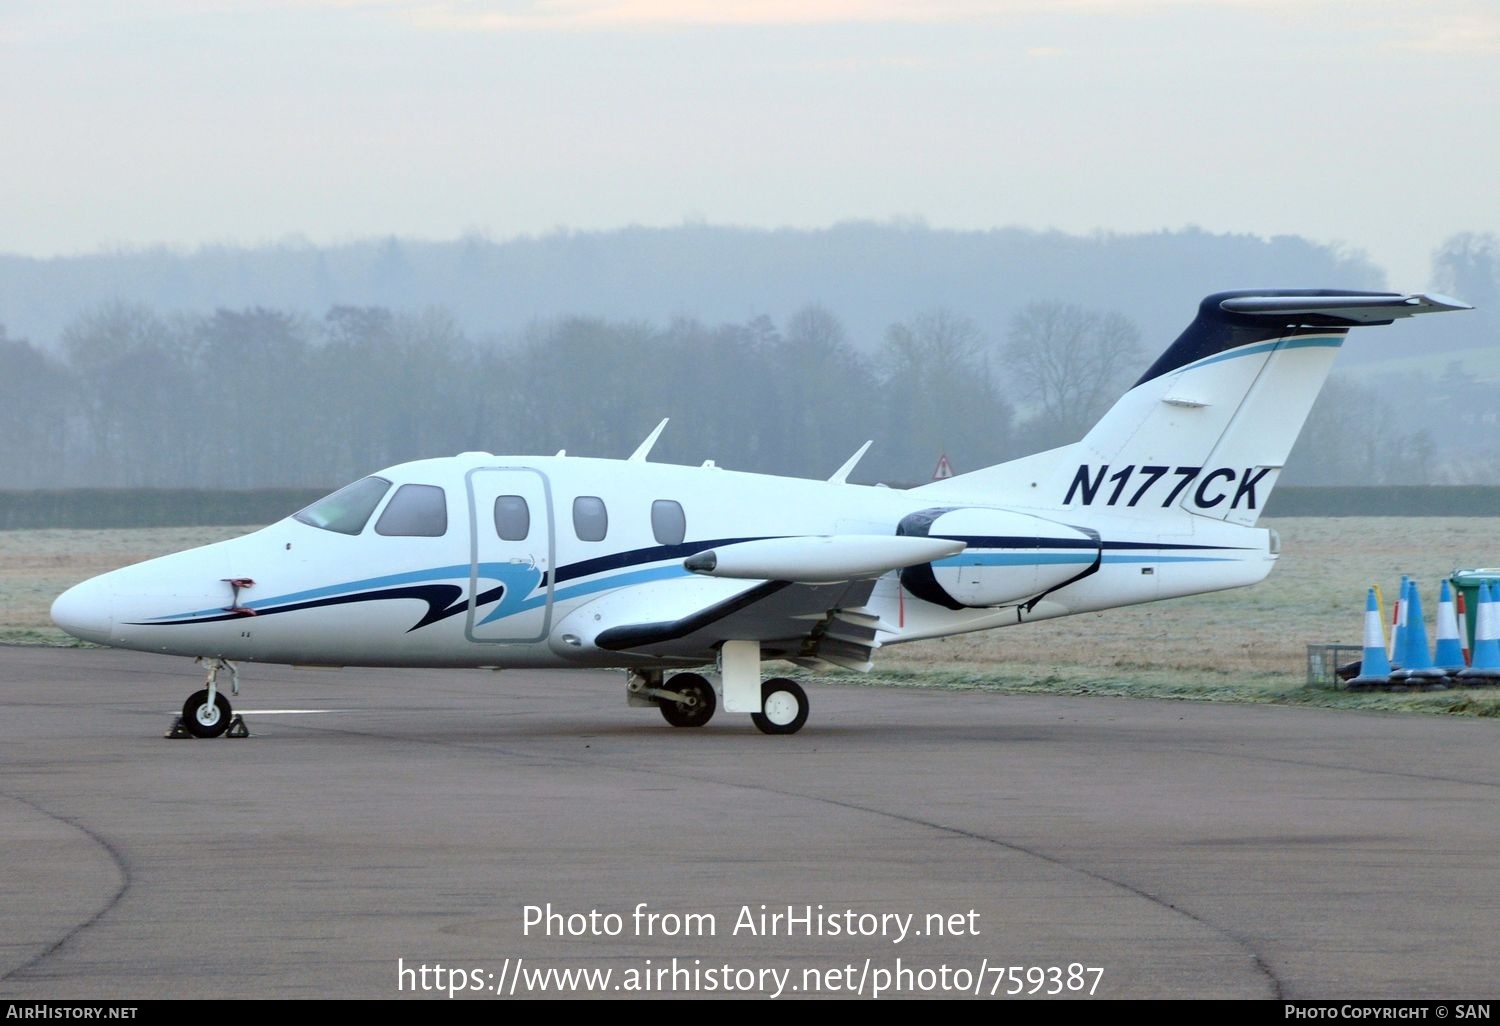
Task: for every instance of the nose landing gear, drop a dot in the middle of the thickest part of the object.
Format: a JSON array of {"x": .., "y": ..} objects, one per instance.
[{"x": 207, "y": 713}]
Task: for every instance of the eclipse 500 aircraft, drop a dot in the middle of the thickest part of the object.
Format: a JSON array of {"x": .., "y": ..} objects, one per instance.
[{"x": 491, "y": 561}]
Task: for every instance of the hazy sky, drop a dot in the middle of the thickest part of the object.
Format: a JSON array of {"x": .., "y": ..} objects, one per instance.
[{"x": 1369, "y": 122}]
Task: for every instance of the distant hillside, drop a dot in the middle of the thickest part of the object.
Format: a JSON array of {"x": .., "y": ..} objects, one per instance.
[{"x": 867, "y": 274}]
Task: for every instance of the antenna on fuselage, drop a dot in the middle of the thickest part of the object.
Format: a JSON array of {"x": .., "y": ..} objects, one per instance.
[
  {"x": 841, "y": 475},
  {"x": 641, "y": 451}
]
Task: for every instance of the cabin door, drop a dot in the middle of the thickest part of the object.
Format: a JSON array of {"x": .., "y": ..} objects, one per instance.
[{"x": 511, "y": 554}]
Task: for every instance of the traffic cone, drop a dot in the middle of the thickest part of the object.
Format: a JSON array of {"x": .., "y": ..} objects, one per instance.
[
  {"x": 1449, "y": 655},
  {"x": 1485, "y": 665},
  {"x": 1417, "y": 665},
  {"x": 1398, "y": 623},
  {"x": 1375, "y": 670},
  {"x": 1464, "y": 639}
]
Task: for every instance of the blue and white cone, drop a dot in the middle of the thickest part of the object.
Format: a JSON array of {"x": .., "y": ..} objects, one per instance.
[
  {"x": 1449, "y": 655},
  {"x": 1398, "y": 632},
  {"x": 1417, "y": 667},
  {"x": 1375, "y": 670},
  {"x": 1484, "y": 666}
]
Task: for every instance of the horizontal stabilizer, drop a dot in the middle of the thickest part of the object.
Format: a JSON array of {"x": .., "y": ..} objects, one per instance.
[
  {"x": 1339, "y": 308},
  {"x": 819, "y": 559}
]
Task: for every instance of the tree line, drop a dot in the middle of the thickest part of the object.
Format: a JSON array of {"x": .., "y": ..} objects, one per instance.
[{"x": 258, "y": 398}]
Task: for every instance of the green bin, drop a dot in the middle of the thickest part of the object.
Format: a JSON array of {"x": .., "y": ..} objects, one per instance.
[{"x": 1467, "y": 582}]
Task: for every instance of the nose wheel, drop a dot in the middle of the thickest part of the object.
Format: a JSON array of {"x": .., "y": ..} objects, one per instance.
[{"x": 204, "y": 716}]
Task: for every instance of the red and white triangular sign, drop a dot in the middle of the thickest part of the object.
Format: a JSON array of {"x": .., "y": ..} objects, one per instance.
[{"x": 944, "y": 468}]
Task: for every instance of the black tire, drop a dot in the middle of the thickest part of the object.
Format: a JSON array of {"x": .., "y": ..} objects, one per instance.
[
  {"x": 699, "y": 710},
  {"x": 783, "y": 706},
  {"x": 202, "y": 720}
]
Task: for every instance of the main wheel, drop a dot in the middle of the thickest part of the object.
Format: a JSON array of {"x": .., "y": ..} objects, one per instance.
[
  {"x": 783, "y": 706},
  {"x": 201, "y": 719},
  {"x": 698, "y": 704}
]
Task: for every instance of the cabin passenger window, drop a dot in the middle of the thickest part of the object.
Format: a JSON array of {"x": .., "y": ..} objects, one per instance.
[
  {"x": 512, "y": 517},
  {"x": 415, "y": 511},
  {"x": 348, "y": 509},
  {"x": 590, "y": 518},
  {"x": 668, "y": 523}
]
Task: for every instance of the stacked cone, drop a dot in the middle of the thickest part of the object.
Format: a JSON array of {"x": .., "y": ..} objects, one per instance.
[
  {"x": 1485, "y": 666},
  {"x": 1449, "y": 655},
  {"x": 1375, "y": 670},
  {"x": 1417, "y": 667},
  {"x": 1398, "y": 623}
]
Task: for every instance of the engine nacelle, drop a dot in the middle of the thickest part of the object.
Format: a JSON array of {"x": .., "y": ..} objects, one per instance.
[{"x": 1010, "y": 557}]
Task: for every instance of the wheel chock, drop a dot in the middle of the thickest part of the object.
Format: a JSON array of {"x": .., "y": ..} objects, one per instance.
[
  {"x": 176, "y": 733},
  {"x": 237, "y": 727}
]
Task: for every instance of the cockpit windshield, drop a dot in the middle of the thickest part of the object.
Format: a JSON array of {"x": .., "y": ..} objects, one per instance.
[{"x": 348, "y": 509}]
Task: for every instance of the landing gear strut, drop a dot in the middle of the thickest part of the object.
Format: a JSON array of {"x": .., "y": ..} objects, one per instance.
[{"x": 776, "y": 706}]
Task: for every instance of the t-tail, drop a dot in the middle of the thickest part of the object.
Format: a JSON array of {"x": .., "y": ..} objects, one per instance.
[{"x": 1208, "y": 428}]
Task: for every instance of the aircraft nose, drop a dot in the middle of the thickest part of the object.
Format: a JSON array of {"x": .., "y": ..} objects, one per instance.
[{"x": 86, "y": 611}]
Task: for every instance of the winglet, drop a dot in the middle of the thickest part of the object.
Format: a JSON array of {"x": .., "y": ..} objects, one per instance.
[
  {"x": 841, "y": 475},
  {"x": 642, "y": 450}
]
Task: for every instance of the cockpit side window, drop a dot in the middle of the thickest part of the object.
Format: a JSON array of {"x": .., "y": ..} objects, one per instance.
[
  {"x": 348, "y": 509},
  {"x": 415, "y": 511}
]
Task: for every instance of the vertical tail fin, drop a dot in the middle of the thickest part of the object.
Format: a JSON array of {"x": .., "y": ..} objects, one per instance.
[{"x": 1209, "y": 426}]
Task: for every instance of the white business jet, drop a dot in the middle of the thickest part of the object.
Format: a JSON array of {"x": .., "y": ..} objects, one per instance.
[{"x": 688, "y": 578}]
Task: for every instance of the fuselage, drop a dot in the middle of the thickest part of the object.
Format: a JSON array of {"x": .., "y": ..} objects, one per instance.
[{"x": 495, "y": 561}]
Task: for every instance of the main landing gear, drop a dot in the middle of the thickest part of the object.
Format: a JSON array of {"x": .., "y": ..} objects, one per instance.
[
  {"x": 783, "y": 706},
  {"x": 690, "y": 699},
  {"x": 207, "y": 713}
]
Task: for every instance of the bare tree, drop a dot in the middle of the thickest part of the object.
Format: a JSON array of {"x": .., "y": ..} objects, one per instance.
[
  {"x": 1467, "y": 265},
  {"x": 134, "y": 385},
  {"x": 1071, "y": 363},
  {"x": 34, "y": 389},
  {"x": 822, "y": 395},
  {"x": 939, "y": 398}
]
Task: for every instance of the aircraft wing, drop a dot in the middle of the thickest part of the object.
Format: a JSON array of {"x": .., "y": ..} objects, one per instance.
[
  {"x": 800, "y": 598},
  {"x": 813, "y": 624}
]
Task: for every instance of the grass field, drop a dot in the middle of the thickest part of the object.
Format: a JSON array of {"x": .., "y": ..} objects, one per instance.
[
  {"x": 1244, "y": 645},
  {"x": 37, "y": 566}
]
